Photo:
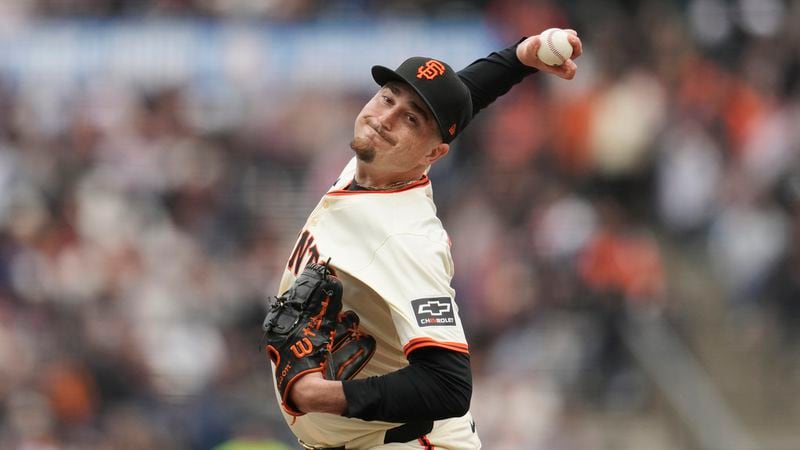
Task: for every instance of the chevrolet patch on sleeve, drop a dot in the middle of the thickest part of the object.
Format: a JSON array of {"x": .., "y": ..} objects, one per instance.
[{"x": 434, "y": 311}]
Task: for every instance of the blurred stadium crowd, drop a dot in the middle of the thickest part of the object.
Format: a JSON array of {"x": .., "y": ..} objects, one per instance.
[{"x": 137, "y": 241}]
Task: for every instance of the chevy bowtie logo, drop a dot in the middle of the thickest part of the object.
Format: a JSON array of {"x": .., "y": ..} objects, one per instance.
[
  {"x": 434, "y": 312},
  {"x": 434, "y": 307}
]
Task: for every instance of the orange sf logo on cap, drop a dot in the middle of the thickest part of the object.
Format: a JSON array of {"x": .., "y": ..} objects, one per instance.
[{"x": 430, "y": 70}]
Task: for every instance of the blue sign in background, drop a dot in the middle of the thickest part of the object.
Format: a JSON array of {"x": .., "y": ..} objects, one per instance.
[{"x": 278, "y": 55}]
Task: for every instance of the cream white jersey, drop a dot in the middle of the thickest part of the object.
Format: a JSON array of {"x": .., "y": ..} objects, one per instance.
[{"x": 392, "y": 255}]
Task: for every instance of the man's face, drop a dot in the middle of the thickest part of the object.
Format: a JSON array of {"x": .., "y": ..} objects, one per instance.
[{"x": 395, "y": 131}]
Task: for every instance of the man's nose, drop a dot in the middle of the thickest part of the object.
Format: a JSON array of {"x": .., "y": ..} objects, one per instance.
[{"x": 386, "y": 119}]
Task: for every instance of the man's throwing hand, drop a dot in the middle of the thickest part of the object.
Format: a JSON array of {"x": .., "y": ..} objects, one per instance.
[{"x": 527, "y": 54}]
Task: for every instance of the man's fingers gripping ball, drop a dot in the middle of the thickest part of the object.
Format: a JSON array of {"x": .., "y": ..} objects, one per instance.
[
  {"x": 300, "y": 326},
  {"x": 553, "y": 51}
]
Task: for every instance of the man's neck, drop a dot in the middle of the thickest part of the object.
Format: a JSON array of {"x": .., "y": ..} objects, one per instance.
[{"x": 368, "y": 179}]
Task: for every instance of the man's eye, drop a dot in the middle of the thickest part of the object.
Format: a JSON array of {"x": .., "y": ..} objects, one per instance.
[
  {"x": 387, "y": 99},
  {"x": 412, "y": 119}
]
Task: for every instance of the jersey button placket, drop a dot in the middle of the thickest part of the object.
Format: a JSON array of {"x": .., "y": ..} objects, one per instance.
[{"x": 315, "y": 216}]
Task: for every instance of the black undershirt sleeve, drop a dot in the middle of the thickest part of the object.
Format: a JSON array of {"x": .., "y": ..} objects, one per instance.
[
  {"x": 436, "y": 384},
  {"x": 491, "y": 77}
]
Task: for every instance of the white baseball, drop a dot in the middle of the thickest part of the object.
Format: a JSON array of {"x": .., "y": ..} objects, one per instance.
[{"x": 555, "y": 49}]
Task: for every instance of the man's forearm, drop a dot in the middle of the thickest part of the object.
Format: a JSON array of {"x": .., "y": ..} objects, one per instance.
[{"x": 491, "y": 77}]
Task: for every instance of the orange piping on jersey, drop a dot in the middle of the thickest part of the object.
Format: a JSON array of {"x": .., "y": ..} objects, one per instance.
[
  {"x": 428, "y": 342},
  {"x": 424, "y": 181}
]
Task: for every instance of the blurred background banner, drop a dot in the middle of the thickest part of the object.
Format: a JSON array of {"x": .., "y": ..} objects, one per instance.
[
  {"x": 158, "y": 157},
  {"x": 163, "y": 51}
]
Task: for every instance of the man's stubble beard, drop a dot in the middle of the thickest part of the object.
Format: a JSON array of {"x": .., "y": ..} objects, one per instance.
[{"x": 364, "y": 150}]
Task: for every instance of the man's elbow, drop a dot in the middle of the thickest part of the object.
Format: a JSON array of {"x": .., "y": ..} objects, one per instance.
[
  {"x": 459, "y": 403},
  {"x": 463, "y": 395},
  {"x": 463, "y": 408}
]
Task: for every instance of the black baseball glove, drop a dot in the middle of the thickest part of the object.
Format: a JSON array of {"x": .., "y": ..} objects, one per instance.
[
  {"x": 351, "y": 349},
  {"x": 305, "y": 332},
  {"x": 299, "y": 327}
]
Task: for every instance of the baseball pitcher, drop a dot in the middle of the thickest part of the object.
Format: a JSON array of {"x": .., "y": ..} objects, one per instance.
[{"x": 365, "y": 339}]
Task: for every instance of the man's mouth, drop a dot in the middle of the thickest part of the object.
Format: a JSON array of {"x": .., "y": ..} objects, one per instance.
[{"x": 381, "y": 132}]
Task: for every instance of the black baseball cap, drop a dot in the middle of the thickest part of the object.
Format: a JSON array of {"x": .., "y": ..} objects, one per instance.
[{"x": 438, "y": 84}]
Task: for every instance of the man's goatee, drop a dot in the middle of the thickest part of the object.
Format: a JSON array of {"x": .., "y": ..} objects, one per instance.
[{"x": 364, "y": 150}]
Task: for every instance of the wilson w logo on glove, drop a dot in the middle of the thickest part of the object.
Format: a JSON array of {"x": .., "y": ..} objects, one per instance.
[{"x": 303, "y": 347}]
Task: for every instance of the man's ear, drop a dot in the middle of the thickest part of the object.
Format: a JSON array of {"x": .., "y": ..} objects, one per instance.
[{"x": 437, "y": 152}]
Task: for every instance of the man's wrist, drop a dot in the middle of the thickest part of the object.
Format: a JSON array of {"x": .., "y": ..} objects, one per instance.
[{"x": 520, "y": 49}]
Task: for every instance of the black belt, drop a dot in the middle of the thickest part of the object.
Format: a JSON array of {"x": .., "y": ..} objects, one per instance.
[{"x": 404, "y": 433}]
